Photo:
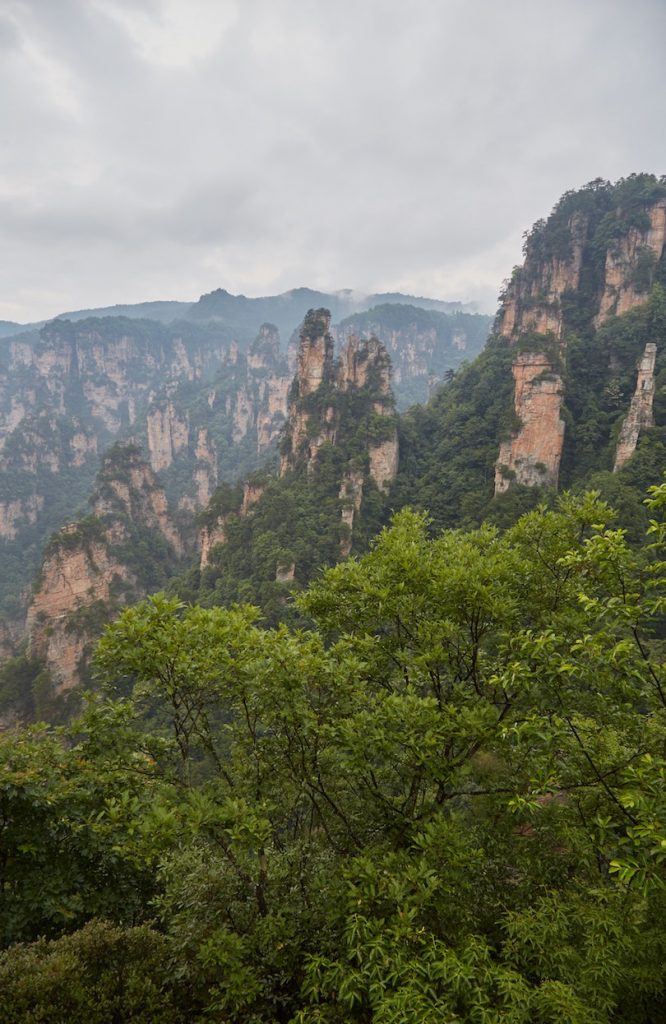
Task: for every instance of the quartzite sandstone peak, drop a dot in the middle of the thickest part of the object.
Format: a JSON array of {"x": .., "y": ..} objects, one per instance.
[
  {"x": 601, "y": 259},
  {"x": 94, "y": 566}
]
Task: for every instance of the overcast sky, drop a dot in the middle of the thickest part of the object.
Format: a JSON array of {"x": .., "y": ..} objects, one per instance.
[{"x": 163, "y": 148}]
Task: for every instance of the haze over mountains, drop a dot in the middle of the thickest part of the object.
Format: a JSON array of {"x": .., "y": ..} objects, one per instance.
[{"x": 242, "y": 313}]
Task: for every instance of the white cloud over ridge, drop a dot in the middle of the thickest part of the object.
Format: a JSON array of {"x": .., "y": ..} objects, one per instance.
[{"x": 162, "y": 148}]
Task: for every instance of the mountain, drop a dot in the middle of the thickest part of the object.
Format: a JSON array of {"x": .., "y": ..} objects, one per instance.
[
  {"x": 425, "y": 345},
  {"x": 242, "y": 314},
  {"x": 205, "y": 397},
  {"x": 569, "y": 392}
]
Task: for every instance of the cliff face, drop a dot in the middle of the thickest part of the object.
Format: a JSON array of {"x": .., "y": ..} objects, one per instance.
[
  {"x": 330, "y": 401},
  {"x": 582, "y": 267},
  {"x": 93, "y": 567},
  {"x": 533, "y": 298},
  {"x": 425, "y": 346},
  {"x": 532, "y": 456},
  {"x": 633, "y": 254},
  {"x": 204, "y": 409},
  {"x": 310, "y": 424},
  {"x": 76, "y": 574},
  {"x": 168, "y": 435},
  {"x": 640, "y": 415}
]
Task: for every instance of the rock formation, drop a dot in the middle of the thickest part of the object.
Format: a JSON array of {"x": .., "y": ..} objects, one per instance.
[
  {"x": 640, "y": 411},
  {"x": 351, "y": 496},
  {"x": 209, "y": 536},
  {"x": 629, "y": 260},
  {"x": 532, "y": 456},
  {"x": 168, "y": 434},
  {"x": 423, "y": 345},
  {"x": 205, "y": 472},
  {"x": 619, "y": 248},
  {"x": 92, "y": 567},
  {"x": 533, "y": 298}
]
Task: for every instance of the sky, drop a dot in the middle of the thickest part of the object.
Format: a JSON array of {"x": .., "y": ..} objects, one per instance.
[{"x": 158, "y": 149}]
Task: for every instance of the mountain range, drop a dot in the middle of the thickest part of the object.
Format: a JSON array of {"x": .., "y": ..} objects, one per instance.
[{"x": 229, "y": 458}]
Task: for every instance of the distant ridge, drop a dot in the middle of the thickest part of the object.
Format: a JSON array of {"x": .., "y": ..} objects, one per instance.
[{"x": 242, "y": 314}]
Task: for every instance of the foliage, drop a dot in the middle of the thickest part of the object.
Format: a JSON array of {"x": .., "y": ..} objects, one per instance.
[
  {"x": 444, "y": 801},
  {"x": 99, "y": 974}
]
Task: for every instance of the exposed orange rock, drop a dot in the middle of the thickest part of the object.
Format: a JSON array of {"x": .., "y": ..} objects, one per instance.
[
  {"x": 252, "y": 492},
  {"x": 315, "y": 356},
  {"x": 621, "y": 292},
  {"x": 72, "y": 578},
  {"x": 532, "y": 456},
  {"x": 532, "y": 301},
  {"x": 640, "y": 415},
  {"x": 359, "y": 358},
  {"x": 383, "y": 459},
  {"x": 82, "y": 568}
]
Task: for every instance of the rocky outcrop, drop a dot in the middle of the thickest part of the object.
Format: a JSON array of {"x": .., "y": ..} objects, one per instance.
[
  {"x": 77, "y": 573},
  {"x": 253, "y": 491},
  {"x": 597, "y": 264},
  {"x": 364, "y": 361},
  {"x": 18, "y": 513},
  {"x": 423, "y": 345},
  {"x": 351, "y": 497},
  {"x": 209, "y": 537},
  {"x": 347, "y": 403},
  {"x": 168, "y": 434},
  {"x": 310, "y": 425},
  {"x": 383, "y": 459},
  {"x": 272, "y": 412},
  {"x": 205, "y": 472},
  {"x": 532, "y": 456},
  {"x": 533, "y": 298},
  {"x": 91, "y": 568},
  {"x": 630, "y": 262},
  {"x": 264, "y": 352},
  {"x": 640, "y": 414},
  {"x": 314, "y": 363}
]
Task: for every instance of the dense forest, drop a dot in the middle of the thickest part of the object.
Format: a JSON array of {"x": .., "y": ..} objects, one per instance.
[{"x": 444, "y": 801}]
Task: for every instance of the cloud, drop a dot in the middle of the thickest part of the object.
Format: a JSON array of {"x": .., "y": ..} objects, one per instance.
[{"x": 162, "y": 148}]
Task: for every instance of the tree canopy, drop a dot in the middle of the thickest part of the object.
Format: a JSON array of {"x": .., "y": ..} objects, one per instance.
[{"x": 445, "y": 801}]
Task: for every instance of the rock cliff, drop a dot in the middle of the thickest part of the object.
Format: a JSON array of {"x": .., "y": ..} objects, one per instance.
[
  {"x": 532, "y": 456},
  {"x": 640, "y": 411},
  {"x": 631, "y": 260},
  {"x": 346, "y": 403},
  {"x": 92, "y": 567},
  {"x": 597, "y": 257}
]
